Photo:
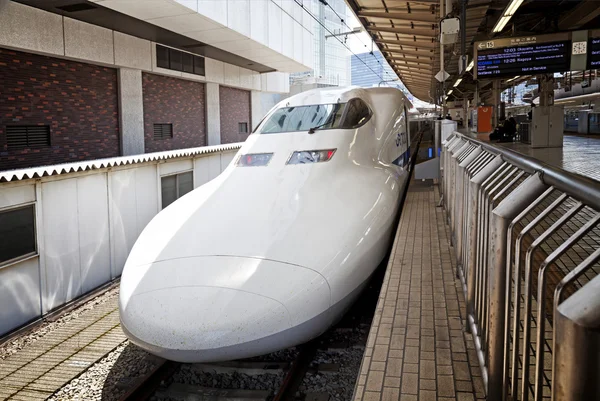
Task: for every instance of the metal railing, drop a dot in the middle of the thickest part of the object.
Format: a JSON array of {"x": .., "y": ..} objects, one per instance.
[{"x": 527, "y": 241}]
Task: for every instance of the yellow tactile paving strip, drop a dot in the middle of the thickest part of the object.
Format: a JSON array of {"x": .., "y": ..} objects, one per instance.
[
  {"x": 43, "y": 367},
  {"x": 418, "y": 349}
]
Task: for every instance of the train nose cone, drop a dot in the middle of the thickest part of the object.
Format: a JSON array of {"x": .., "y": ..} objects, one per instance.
[{"x": 217, "y": 308}]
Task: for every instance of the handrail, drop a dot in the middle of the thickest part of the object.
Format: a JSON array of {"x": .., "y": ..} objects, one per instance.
[
  {"x": 521, "y": 229},
  {"x": 585, "y": 189}
]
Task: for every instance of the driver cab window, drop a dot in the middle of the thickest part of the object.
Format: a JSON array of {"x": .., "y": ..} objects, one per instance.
[{"x": 357, "y": 114}]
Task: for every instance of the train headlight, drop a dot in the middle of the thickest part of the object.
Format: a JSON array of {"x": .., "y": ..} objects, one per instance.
[
  {"x": 311, "y": 156},
  {"x": 254, "y": 159}
]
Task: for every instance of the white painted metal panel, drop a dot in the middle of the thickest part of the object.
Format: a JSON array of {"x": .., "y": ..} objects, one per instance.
[
  {"x": 123, "y": 215},
  {"x": 287, "y": 35},
  {"x": 19, "y": 294},
  {"x": 146, "y": 196},
  {"x": 61, "y": 242},
  {"x": 175, "y": 166},
  {"x": 16, "y": 195},
  {"x": 307, "y": 48},
  {"x": 94, "y": 245},
  {"x": 298, "y": 44},
  {"x": 274, "y": 27},
  {"x": 238, "y": 16},
  {"x": 201, "y": 171},
  {"x": 259, "y": 20},
  {"x": 226, "y": 158},
  {"x": 214, "y": 9}
]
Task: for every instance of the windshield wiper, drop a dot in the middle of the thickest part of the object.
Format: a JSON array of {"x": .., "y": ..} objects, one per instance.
[{"x": 313, "y": 129}]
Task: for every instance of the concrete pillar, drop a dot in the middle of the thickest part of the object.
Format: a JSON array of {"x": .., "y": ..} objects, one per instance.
[
  {"x": 546, "y": 89},
  {"x": 496, "y": 94},
  {"x": 131, "y": 111},
  {"x": 256, "y": 109},
  {"x": 213, "y": 114}
]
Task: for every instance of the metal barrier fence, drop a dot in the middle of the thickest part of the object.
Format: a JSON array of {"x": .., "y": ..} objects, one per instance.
[{"x": 527, "y": 241}]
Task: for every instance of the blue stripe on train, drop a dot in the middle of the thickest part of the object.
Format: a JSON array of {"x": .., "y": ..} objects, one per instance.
[{"x": 403, "y": 159}]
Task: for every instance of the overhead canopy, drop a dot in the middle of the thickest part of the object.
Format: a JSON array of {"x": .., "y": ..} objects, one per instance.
[{"x": 407, "y": 33}]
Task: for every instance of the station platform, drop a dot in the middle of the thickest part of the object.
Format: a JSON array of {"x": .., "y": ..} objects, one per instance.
[
  {"x": 579, "y": 154},
  {"x": 43, "y": 364},
  {"x": 418, "y": 348}
]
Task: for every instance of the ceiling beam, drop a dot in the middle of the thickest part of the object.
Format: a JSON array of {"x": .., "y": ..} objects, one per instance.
[
  {"x": 412, "y": 62},
  {"x": 427, "y": 33},
  {"x": 425, "y": 44},
  {"x": 580, "y": 15},
  {"x": 414, "y": 16},
  {"x": 399, "y": 52},
  {"x": 412, "y": 69},
  {"x": 400, "y": 55}
]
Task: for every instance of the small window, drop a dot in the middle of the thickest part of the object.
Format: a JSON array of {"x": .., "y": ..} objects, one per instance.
[
  {"x": 175, "y": 60},
  {"x": 175, "y": 186},
  {"x": 357, "y": 114},
  {"x": 243, "y": 128},
  {"x": 187, "y": 61},
  {"x": 27, "y": 136},
  {"x": 178, "y": 60},
  {"x": 163, "y": 131},
  {"x": 199, "y": 65},
  {"x": 162, "y": 56},
  {"x": 17, "y": 233}
]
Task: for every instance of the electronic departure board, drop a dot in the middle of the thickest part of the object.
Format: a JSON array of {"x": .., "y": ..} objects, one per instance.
[
  {"x": 593, "y": 57},
  {"x": 524, "y": 59}
]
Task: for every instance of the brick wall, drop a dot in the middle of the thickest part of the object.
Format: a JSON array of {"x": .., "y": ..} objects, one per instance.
[
  {"x": 235, "y": 109},
  {"x": 173, "y": 101},
  {"x": 77, "y": 100}
]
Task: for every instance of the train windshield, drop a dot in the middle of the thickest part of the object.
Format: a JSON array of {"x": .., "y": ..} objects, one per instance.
[{"x": 303, "y": 118}]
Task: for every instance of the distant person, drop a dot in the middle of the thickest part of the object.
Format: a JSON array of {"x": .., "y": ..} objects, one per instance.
[
  {"x": 512, "y": 128},
  {"x": 440, "y": 117},
  {"x": 448, "y": 117}
]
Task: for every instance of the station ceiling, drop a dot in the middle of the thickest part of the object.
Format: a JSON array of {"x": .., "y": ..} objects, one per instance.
[{"x": 407, "y": 33}]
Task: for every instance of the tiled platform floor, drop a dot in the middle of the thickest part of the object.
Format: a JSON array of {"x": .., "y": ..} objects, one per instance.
[
  {"x": 579, "y": 154},
  {"x": 43, "y": 367},
  {"x": 418, "y": 349}
]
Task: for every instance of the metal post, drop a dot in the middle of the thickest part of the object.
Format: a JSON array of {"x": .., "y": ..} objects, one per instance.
[
  {"x": 502, "y": 215},
  {"x": 577, "y": 345},
  {"x": 475, "y": 185},
  {"x": 442, "y": 15},
  {"x": 461, "y": 189},
  {"x": 496, "y": 93}
]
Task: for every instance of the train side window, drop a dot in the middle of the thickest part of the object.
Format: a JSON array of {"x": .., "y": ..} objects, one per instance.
[
  {"x": 17, "y": 234},
  {"x": 357, "y": 114}
]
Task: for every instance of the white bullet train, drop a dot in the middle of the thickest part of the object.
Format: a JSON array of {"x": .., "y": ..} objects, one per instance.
[{"x": 274, "y": 250}]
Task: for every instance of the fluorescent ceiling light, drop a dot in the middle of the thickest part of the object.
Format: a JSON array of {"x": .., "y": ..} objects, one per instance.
[
  {"x": 470, "y": 66},
  {"x": 450, "y": 91},
  {"x": 512, "y": 79},
  {"x": 501, "y": 24},
  {"x": 512, "y": 7},
  {"x": 507, "y": 15},
  {"x": 458, "y": 81}
]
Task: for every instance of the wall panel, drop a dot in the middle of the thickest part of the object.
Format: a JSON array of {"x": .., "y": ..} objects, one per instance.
[
  {"x": 94, "y": 242},
  {"x": 61, "y": 242}
]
